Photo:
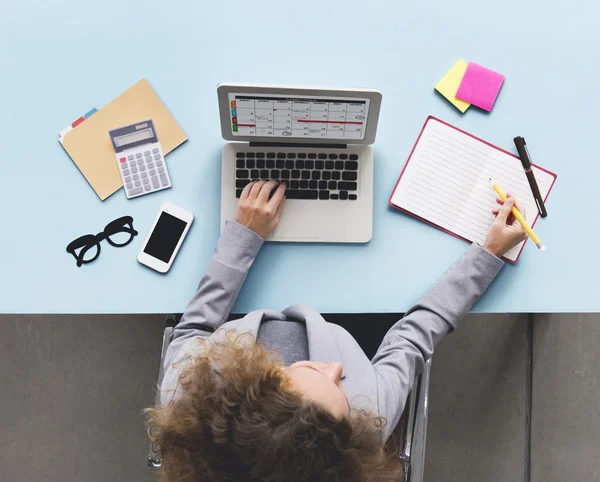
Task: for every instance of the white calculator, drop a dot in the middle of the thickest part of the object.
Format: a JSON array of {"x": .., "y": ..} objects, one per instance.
[{"x": 140, "y": 158}]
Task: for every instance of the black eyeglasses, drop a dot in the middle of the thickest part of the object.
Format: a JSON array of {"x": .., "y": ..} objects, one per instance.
[{"x": 89, "y": 241}]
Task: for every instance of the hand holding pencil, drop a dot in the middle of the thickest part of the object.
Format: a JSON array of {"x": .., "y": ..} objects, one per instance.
[
  {"x": 521, "y": 218},
  {"x": 506, "y": 231}
]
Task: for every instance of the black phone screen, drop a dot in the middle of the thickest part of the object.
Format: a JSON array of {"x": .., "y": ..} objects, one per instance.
[{"x": 164, "y": 238}]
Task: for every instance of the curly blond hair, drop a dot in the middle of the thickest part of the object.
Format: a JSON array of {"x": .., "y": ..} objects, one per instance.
[{"x": 238, "y": 419}]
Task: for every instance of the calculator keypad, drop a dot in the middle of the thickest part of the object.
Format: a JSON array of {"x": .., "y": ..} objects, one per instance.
[{"x": 143, "y": 171}]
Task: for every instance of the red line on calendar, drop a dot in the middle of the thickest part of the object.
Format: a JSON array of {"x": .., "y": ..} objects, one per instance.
[{"x": 329, "y": 121}]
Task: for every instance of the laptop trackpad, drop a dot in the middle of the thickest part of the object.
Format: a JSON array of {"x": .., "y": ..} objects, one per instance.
[{"x": 299, "y": 221}]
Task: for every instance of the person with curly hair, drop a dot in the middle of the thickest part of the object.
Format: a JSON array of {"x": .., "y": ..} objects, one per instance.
[{"x": 288, "y": 396}]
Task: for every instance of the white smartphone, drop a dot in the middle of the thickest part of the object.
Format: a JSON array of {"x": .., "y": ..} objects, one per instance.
[{"x": 165, "y": 237}]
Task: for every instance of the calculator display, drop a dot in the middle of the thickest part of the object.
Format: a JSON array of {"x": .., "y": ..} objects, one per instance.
[{"x": 134, "y": 137}]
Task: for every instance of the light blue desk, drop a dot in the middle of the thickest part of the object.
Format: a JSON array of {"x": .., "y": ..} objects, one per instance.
[{"x": 59, "y": 59}]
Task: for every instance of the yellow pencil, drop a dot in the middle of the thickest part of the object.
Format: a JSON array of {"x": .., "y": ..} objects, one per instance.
[{"x": 518, "y": 217}]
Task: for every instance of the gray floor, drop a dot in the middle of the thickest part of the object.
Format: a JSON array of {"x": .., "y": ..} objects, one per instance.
[
  {"x": 566, "y": 399},
  {"x": 73, "y": 388},
  {"x": 477, "y": 411}
]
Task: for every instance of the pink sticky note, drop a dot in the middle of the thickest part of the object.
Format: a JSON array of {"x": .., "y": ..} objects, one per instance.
[{"x": 480, "y": 86}]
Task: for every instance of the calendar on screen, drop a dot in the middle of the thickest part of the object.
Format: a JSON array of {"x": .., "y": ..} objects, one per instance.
[{"x": 298, "y": 116}]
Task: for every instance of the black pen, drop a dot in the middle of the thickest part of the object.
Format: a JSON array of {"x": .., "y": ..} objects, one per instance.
[{"x": 526, "y": 161}]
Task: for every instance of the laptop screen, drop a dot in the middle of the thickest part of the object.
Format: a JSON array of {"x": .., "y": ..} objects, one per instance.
[{"x": 304, "y": 116}]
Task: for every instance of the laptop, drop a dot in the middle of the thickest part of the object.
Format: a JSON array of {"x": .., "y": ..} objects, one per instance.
[{"x": 314, "y": 139}]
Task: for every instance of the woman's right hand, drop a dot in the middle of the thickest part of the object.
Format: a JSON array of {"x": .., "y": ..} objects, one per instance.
[
  {"x": 256, "y": 211},
  {"x": 506, "y": 232}
]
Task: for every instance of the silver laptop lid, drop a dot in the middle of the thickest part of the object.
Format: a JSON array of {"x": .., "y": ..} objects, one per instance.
[{"x": 296, "y": 114}]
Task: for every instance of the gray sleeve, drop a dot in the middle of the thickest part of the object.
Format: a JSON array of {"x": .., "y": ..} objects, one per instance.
[
  {"x": 411, "y": 341},
  {"x": 210, "y": 307}
]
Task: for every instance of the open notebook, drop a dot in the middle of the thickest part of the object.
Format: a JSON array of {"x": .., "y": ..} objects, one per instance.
[{"x": 445, "y": 182}]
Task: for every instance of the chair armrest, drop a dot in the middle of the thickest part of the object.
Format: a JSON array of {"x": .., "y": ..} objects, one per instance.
[
  {"x": 154, "y": 459},
  {"x": 419, "y": 433}
]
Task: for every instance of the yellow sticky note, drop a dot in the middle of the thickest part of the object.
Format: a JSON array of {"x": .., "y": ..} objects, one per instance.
[{"x": 450, "y": 82}]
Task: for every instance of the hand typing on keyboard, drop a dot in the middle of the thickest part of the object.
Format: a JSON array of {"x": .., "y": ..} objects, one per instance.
[
  {"x": 260, "y": 207},
  {"x": 314, "y": 175}
]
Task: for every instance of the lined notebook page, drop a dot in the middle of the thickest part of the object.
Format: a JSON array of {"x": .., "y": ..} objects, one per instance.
[{"x": 446, "y": 182}]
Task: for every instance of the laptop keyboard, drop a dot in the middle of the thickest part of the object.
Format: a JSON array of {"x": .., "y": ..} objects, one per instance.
[{"x": 318, "y": 176}]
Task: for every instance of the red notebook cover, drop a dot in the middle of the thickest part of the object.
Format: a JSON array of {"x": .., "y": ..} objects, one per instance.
[{"x": 483, "y": 142}]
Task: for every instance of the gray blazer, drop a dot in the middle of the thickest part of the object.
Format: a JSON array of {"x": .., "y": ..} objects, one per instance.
[{"x": 380, "y": 385}]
